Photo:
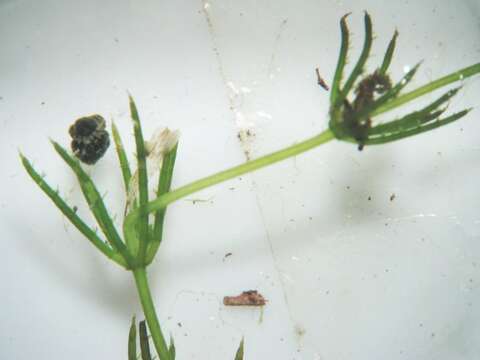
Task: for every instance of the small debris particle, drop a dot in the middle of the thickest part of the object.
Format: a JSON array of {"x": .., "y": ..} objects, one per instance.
[
  {"x": 369, "y": 198},
  {"x": 227, "y": 255},
  {"x": 195, "y": 201},
  {"x": 320, "y": 80},
  {"x": 246, "y": 298},
  {"x": 392, "y": 197},
  {"x": 75, "y": 209},
  {"x": 179, "y": 324},
  {"x": 300, "y": 330},
  {"x": 42, "y": 103},
  {"x": 232, "y": 188},
  {"x": 348, "y": 187}
]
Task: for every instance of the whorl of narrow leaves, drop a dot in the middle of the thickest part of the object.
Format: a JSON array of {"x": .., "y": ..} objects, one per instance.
[{"x": 353, "y": 120}]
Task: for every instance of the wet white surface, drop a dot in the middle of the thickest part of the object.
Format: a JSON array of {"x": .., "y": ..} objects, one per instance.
[{"x": 349, "y": 273}]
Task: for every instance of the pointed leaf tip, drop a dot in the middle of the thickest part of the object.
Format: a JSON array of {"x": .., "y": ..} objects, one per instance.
[
  {"x": 171, "y": 348},
  {"x": 132, "y": 338},
  {"x": 240, "y": 351}
]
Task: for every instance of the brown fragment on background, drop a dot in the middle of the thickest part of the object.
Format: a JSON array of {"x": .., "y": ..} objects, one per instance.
[
  {"x": 246, "y": 298},
  {"x": 320, "y": 80}
]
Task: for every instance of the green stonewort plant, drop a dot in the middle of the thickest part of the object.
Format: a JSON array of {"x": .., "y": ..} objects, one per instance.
[{"x": 354, "y": 104}]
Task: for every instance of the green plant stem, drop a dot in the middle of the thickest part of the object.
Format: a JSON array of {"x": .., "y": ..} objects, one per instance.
[
  {"x": 239, "y": 170},
  {"x": 140, "y": 275},
  {"x": 162, "y": 201}
]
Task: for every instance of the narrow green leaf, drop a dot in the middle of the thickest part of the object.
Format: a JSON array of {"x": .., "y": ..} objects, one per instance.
[
  {"x": 436, "y": 84},
  {"x": 416, "y": 118},
  {"x": 430, "y": 126},
  {"x": 387, "y": 59},
  {"x": 358, "y": 69},
  {"x": 171, "y": 349},
  {"x": 239, "y": 354},
  {"x": 122, "y": 157},
  {"x": 342, "y": 59},
  {"x": 405, "y": 123},
  {"x": 132, "y": 341},
  {"x": 142, "y": 181},
  {"x": 441, "y": 100},
  {"x": 95, "y": 202},
  {"x": 144, "y": 345},
  {"x": 71, "y": 215},
  {"x": 164, "y": 184}
]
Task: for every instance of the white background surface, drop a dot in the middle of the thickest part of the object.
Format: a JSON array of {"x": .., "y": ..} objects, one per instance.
[{"x": 346, "y": 278}]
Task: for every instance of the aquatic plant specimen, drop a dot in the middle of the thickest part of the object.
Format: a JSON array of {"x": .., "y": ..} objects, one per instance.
[
  {"x": 354, "y": 104},
  {"x": 353, "y": 120}
]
